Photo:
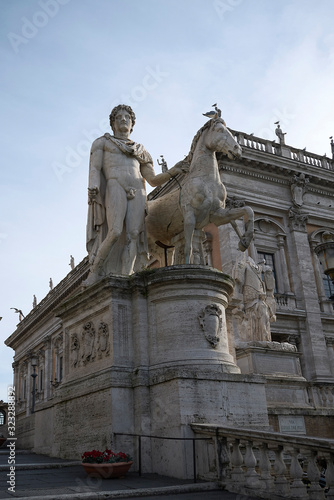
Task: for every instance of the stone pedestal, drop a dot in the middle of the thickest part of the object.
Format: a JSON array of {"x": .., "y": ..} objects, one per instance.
[
  {"x": 149, "y": 354},
  {"x": 280, "y": 364},
  {"x": 187, "y": 325}
]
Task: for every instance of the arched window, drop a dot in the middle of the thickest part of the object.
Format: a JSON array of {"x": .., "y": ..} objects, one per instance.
[
  {"x": 324, "y": 284},
  {"x": 2, "y": 417},
  {"x": 328, "y": 284}
]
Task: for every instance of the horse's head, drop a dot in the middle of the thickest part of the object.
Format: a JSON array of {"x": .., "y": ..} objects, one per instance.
[{"x": 218, "y": 138}]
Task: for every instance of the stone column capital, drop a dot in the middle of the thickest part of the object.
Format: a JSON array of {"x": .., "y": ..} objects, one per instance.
[
  {"x": 297, "y": 220},
  {"x": 280, "y": 239}
]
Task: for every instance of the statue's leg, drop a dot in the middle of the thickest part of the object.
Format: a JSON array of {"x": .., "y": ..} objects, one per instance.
[
  {"x": 249, "y": 225},
  {"x": 189, "y": 226},
  {"x": 134, "y": 223},
  {"x": 116, "y": 205},
  {"x": 224, "y": 216}
]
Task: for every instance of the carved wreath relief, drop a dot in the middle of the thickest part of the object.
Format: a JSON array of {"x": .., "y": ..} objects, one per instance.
[
  {"x": 211, "y": 320},
  {"x": 90, "y": 344}
]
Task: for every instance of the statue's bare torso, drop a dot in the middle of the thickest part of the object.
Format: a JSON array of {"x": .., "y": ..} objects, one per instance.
[{"x": 117, "y": 166}]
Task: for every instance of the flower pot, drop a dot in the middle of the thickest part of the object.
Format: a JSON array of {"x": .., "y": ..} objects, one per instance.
[{"x": 106, "y": 470}]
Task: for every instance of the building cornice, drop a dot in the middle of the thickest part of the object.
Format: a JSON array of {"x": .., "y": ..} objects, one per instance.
[
  {"x": 284, "y": 160},
  {"x": 60, "y": 292}
]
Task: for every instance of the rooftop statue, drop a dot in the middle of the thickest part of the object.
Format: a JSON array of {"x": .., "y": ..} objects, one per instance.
[
  {"x": 116, "y": 236},
  {"x": 162, "y": 163},
  {"x": 280, "y": 134}
]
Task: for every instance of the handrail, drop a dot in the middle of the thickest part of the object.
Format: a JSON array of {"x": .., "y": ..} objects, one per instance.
[
  {"x": 271, "y": 437},
  {"x": 139, "y": 436}
]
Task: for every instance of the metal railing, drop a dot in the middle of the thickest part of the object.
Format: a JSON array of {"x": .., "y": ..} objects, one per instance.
[{"x": 140, "y": 436}]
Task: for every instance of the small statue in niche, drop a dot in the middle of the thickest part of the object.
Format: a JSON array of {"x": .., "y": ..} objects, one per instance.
[
  {"x": 88, "y": 342},
  {"x": 103, "y": 344},
  {"x": 75, "y": 347}
]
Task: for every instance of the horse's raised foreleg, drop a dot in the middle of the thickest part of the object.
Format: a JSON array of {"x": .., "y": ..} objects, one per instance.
[
  {"x": 189, "y": 226},
  {"x": 224, "y": 216},
  {"x": 249, "y": 229}
]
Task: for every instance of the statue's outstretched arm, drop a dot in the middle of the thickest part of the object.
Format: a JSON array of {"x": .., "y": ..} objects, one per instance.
[{"x": 154, "y": 180}]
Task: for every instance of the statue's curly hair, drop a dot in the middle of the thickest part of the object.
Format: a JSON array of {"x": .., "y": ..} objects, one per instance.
[{"x": 116, "y": 109}]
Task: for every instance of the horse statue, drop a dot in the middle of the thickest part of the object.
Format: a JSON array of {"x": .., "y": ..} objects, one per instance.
[{"x": 201, "y": 196}]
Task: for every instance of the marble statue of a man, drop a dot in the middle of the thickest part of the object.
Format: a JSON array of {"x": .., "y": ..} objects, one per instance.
[
  {"x": 116, "y": 238},
  {"x": 256, "y": 308}
]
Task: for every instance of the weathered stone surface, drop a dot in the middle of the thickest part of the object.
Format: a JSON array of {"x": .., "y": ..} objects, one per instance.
[{"x": 163, "y": 362}]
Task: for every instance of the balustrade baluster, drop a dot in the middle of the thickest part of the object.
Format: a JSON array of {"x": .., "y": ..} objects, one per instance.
[
  {"x": 224, "y": 459},
  {"x": 313, "y": 474},
  {"x": 241, "y": 139},
  {"x": 282, "y": 486},
  {"x": 245, "y": 459},
  {"x": 329, "y": 476},
  {"x": 252, "y": 477},
  {"x": 237, "y": 474},
  {"x": 298, "y": 488},
  {"x": 268, "y": 147},
  {"x": 266, "y": 478}
]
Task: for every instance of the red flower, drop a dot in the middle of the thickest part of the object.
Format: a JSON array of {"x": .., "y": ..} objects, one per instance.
[{"x": 106, "y": 456}]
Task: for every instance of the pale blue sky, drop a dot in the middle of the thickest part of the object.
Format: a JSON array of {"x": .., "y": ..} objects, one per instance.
[{"x": 65, "y": 64}]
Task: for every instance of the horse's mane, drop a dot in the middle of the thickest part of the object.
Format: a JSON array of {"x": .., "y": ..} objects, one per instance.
[{"x": 206, "y": 125}]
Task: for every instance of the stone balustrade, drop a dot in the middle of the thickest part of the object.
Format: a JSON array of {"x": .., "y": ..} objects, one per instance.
[
  {"x": 271, "y": 465},
  {"x": 271, "y": 146},
  {"x": 285, "y": 301},
  {"x": 322, "y": 396}
]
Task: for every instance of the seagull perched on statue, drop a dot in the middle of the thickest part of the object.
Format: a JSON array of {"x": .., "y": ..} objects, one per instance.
[{"x": 213, "y": 114}]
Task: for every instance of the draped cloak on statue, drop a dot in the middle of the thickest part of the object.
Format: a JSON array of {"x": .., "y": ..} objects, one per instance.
[{"x": 97, "y": 227}]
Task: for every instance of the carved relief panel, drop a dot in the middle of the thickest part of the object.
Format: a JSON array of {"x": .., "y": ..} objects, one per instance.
[{"x": 90, "y": 345}]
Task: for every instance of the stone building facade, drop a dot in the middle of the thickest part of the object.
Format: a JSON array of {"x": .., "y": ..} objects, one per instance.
[
  {"x": 291, "y": 192},
  {"x": 99, "y": 371}
]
